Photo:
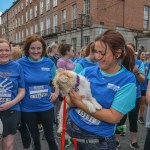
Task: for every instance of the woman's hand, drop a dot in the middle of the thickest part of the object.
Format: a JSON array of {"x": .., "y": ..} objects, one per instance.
[
  {"x": 53, "y": 96},
  {"x": 75, "y": 98},
  {"x": 6, "y": 106}
]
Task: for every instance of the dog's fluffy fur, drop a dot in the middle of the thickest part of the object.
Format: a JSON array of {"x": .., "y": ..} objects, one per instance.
[{"x": 65, "y": 81}]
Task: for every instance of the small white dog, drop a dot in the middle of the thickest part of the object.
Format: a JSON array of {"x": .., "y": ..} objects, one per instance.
[{"x": 65, "y": 81}]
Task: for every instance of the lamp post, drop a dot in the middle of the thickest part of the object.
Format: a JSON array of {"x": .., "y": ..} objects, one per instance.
[{"x": 82, "y": 17}]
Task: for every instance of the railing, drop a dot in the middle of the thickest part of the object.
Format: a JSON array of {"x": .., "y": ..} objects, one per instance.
[{"x": 68, "y": 26}]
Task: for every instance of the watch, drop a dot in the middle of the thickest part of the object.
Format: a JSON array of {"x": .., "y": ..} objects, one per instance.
[{"x": 137, "y": 73}]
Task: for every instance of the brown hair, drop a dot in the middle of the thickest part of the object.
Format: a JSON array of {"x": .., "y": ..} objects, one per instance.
[
  {"x": 5, "y": 41},
  {"x": 30, "y": 40},
  {"x": 115, "y": 41},
  {"x": 89, "y": 48},
  {"x": 139, "y": 53},
  {"x": 16, "y": 53},
  {"x": 63, "y": 48},
  {"x": 133, "y": 46}
]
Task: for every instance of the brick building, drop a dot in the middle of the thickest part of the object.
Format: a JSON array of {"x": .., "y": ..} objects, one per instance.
[{"x": 76, "y": 21}]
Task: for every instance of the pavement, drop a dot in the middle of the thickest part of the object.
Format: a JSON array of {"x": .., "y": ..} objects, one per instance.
[{"x": 125, "y": 140}]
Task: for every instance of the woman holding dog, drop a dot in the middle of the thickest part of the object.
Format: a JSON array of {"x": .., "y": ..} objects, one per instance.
[
  {"x": 37, "y": 104},
  {"x": 88, "y": 61},
  {"x": 113, "y": 86},
  {"x": 12, "y": 90}
]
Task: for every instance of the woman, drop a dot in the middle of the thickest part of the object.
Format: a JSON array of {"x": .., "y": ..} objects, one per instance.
[
  {"x": 113, "y": 86},
  {"x": 37, "y": 104},
  {"x": 52, "y": 52},
  {"x": 142, "y": 57},
  {"x": 139, "y": 73},
  {"x": 66, "y": 52},
  {"x": 11, "y": 93},
  {"x": 147, "y": 140},
  {"x": 88, "y": 61}
]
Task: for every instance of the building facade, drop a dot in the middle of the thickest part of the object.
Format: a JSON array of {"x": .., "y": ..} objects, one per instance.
[{"x": 76, "y": 22}]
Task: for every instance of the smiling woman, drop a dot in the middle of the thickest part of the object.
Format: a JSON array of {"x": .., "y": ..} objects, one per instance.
[
  {"x": 37, "y": 104},
  {"x": 11, "y": 93},
  {"x": 5, "y": 52}
]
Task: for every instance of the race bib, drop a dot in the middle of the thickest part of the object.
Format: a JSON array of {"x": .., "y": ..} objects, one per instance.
[
  {"x": 5, "y": 96},
  {"x": 37, "y": 92},
  {"x": 87, "y": 118}
]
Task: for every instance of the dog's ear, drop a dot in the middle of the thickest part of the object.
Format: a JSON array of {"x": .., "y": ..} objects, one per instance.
[{"x": 63, "y": 79}]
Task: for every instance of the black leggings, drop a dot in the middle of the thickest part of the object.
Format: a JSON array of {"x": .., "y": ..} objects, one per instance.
[
  {"x": 133, "y": 117},
  {"x": 25, "y": 135},
  {"x": 47, "y": 119}
]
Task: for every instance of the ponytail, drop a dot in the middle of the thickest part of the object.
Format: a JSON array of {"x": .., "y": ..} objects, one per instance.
[{"x": 128, "y": 60}]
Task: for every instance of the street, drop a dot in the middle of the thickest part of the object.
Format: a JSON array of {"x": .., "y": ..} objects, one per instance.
[{"x": 125, "y": 140}]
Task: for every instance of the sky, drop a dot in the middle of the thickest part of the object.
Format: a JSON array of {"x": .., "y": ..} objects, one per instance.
[{"x": 5, "y": 4}]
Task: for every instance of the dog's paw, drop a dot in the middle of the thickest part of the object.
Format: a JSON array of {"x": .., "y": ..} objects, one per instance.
[
  {"x": 98, "y": 107},
  {"x": 92, "y": 109},
  {"x": 90, "y": 106}
]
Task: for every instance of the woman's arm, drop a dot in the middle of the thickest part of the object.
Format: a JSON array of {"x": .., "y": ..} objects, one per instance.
[
  {"x": 108, "y": 115},
  {"x": 17, "y": 99},
  {"x": 148, "y": 93}
]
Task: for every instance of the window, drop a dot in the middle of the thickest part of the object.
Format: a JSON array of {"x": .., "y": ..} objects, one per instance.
[
  {"x": 19, "y": 37},
  {"x": 86, "y": 40},
  {"x": 15, "y": 11},
  {"x": 31, "y": 30},
  {"x": 63, "y": 20},
  {"x": 30, "y": 1},
  {"x": 22, "y": 22},
  {"x": 18, "y": 8},
  {"x": 87, "y": 7},
  {"x": 36, "y": 28},
  {"x": 54, "y": 3},
  {"x": 74, "y": 44},
  {"x": 42, "y": 27},
  {"x": 16, "y": 37},
  {"x": 27, "y": 32},
  {"x": 26, "y": 2},
  {"x": 47, "y": 5},
  {"x": 35, "y": 11},
  {"x": 48, "y": 25},
  {"x": 22, "y": 34},
  {"x": 74, "y": 16},
  {"x": 26, "y": 16},
  {"x": 18, "y": 21},
  {"x": 146, "y": 17},
  {"x": 30, "y": 13},
  {"x": 21, "y": 6},
  {"x": 55, "y": 28},
  {"x": 87, "y": 13},
  {"x": 41, "y": 7}
]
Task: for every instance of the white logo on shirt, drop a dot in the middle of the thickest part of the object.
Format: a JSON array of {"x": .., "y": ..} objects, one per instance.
[
  {"x": 45, "y": 69},
  {"x": 113, "y": 87}
]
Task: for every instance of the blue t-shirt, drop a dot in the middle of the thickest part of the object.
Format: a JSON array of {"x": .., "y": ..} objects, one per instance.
[
  {"x": 144, "y": 84},
  {"x": 11, "y": 78},
  {"x": 84, "y": 63},
  {"x": 38, "y": 75},
  {"x": 117, "y": 91},
  {"x": 141, "y": 68}
]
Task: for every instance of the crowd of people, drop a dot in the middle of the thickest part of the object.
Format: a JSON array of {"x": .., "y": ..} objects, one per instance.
[{"x": 119, "y": 81}]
